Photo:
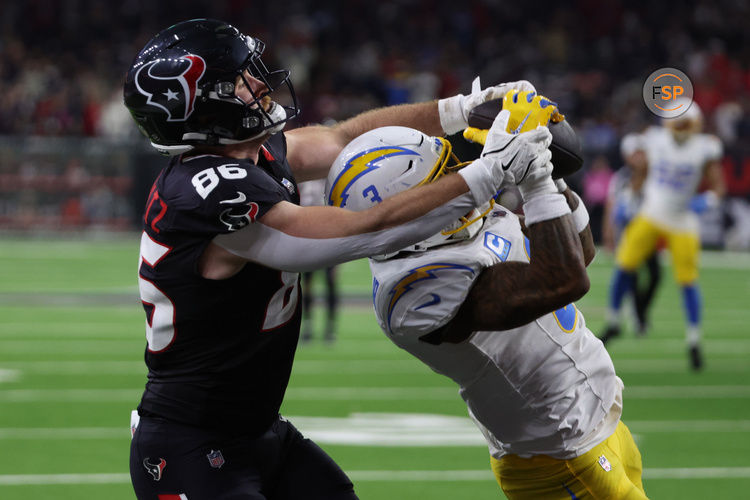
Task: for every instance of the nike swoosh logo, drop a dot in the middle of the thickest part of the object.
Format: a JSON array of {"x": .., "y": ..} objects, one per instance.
[
  {"x": 506, "y": 166},
  {"x": 518, "y": 129},
  {"x": 241, "y": 198},
  {"x": 525, "y": 171},
  {"x": 502, "y": 148}
]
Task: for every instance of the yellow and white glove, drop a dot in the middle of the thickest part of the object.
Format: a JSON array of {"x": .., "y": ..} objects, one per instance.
[
  {"x": 527, "y": 112},
  {"x": 507, "y": 158},
  {"x": 454, "y": 111}
]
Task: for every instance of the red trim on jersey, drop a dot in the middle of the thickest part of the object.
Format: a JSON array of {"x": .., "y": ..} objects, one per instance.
[
  {"x": 162, "y": 212},
  {"x": 150, "y": 199},
  {"x": 181, "y": 496},
  {"x": 267, "y": 154}
]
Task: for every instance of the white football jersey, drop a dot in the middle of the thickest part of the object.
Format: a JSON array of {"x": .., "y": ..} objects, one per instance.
[
  {"x": 674, "y": 172},
  {"x": 548, "y": 387}
]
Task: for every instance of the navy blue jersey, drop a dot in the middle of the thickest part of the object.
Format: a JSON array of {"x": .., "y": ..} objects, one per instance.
[{"x": 219, "y": 352}]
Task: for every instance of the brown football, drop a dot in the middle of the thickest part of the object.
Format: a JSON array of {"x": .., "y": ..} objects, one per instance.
[{"x": 567, "y": 154}]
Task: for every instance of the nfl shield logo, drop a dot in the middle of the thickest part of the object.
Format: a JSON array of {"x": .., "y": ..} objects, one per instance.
[
  {"x": 216, "y": 459},
  {"x": 605, "y": 463}
]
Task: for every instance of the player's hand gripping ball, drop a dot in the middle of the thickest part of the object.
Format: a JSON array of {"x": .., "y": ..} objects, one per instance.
[{"x": 528, "y": 111}]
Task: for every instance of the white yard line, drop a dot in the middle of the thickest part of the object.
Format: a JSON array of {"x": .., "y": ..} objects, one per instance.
[{"x": 9, "y": 375}]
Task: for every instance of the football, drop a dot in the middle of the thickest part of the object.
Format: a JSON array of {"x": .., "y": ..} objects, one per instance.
[{"x": 567, "y": 155}]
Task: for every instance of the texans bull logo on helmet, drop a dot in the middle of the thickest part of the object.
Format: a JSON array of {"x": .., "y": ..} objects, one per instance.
[{"x": 179, "y": 77}]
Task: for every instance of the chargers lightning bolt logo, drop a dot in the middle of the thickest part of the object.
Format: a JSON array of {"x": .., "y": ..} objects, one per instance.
[
  {"x": 358, "y": 166},
  {"x": 421, "y": 273}
]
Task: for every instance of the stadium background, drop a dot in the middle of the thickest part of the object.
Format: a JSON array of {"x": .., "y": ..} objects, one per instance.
[{"x": 74, "y": 173}]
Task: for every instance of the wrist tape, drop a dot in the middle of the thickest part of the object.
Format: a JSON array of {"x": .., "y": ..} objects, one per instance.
[{"x": 545, "y": 207}]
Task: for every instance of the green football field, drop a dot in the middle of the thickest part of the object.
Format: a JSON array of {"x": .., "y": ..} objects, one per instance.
[{"x": 71, "y": 369}]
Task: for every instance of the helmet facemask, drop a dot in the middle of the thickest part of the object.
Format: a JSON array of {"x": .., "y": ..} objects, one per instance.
[{"x": 272, "y": 120}]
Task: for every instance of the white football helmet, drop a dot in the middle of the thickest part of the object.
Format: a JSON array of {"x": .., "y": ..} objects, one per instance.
[
  {"x": 388, "y": 160},
  {"x": 687, "y": 124}
]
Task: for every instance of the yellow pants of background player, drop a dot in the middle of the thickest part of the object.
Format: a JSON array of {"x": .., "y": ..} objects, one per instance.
[
  {"x": 610, "y": 471},
  {"x": 639, "y": 242}
]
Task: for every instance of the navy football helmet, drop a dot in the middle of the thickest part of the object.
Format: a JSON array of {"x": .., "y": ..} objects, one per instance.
[{"x": 180, "y": 88}]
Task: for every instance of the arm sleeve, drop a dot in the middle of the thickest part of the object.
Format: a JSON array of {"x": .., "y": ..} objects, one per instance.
[{"x": 276, "y": 249}]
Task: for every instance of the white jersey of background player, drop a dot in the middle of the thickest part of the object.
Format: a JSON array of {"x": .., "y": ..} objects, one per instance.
[
  {"x": 545, "y": 389},
  {"x": 675, "y": 171},
  {"x": 676, "y": 158}
]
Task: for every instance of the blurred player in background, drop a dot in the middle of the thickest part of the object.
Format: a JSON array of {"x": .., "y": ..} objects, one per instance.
[
  {"x": 223, "y": 241},
  {"x": 312, "y": 194},
  {"x": 544, "y": 391},
  {"x": 624, "y": 199},
  {"x": 678, "y": 158}
]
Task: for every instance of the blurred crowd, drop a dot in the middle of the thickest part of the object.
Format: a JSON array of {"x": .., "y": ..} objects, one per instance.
[{"x": 62, "y": 62}]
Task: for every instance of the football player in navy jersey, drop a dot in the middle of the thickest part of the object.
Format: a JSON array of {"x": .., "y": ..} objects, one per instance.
[{"x": 224, "y": 239}]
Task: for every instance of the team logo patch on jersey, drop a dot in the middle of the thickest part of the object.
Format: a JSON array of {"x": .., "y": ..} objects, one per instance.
[
  {"x": 155, "y": 470},
  {"x": 216, "y": 459},
  {"x": 497, "y": 245},
  {"x": 238, "y": 217},
  {"x": 180, "y": 78},
  {"x": 604, "y": 463},
  {"x": 288, "y": 185}
]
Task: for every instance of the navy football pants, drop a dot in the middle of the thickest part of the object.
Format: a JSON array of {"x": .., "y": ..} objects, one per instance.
[{"x": 171, "y": 461}]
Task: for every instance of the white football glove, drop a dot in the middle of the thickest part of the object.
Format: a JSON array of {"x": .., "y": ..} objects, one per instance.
[
  {"x": 508, "y": 158},
  {"x": 454, "y": 111}
]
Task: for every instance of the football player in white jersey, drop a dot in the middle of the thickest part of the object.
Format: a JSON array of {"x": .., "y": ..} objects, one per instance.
[
  {"x": 493, "y": 310},
  {"x": 678, "y": 158},
  {"x": 624, "y": 198}
]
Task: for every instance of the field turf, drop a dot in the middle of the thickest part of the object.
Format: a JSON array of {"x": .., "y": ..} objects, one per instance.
[{"x": 71, "y": 369}]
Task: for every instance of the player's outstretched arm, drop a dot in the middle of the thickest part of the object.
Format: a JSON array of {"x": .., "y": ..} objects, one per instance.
[
  {"x": 311, "y": 150},
  {"x": 293, "y": 238}
]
